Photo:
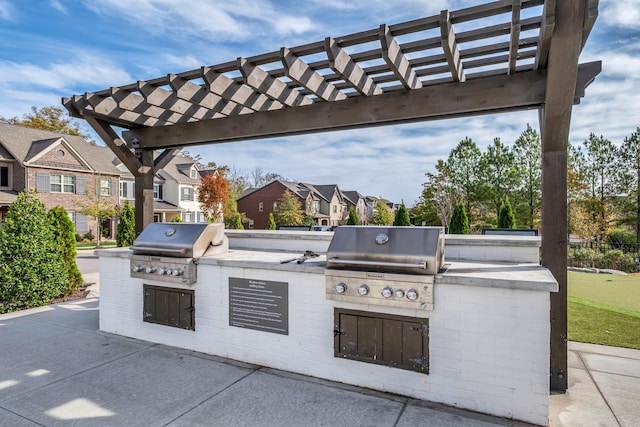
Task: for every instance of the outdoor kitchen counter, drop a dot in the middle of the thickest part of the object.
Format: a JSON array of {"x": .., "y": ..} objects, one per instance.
[{"x": 521, "y": 276}]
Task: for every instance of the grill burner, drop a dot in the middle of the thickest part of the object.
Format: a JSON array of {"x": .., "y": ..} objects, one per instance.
[
  {"x": 389, "y": 266},
  {"x": 168, "y": 252}
]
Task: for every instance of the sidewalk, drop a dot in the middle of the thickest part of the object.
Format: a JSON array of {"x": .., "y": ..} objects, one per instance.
[{"x": 57, "y": 369}]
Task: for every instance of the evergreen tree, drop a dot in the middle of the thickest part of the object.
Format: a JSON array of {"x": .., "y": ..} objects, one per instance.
[
  {"x": 459, "y": 221},
  {"x": 32, "y": 271},
  {"x": 64, "y": 233},
  {"x": 126, "y": 232},
  {"x": 238, "y": 224},
  {"x": 271, "y": 222},
  {"x": 353, "y": 217},
  {"x": 402, "y": 217},
  {"x": 506, "y": 218}
]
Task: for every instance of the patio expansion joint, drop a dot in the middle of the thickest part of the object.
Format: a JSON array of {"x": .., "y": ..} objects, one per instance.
[{"x": 598, "y": 388}]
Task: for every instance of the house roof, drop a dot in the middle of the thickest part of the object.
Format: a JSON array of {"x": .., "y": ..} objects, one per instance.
[
  {"x": 24, "y": 143},
  {"x": 175, "y": 170},
  {"x": 353, "y": 196}
]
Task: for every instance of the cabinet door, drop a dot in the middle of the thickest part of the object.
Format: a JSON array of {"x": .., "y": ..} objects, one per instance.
[{"x": 169, "y": 307}]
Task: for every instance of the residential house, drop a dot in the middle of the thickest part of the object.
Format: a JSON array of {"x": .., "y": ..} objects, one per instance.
[
  {"x": 325, "y": 203},
  {"x": 358, "y": 202},
  {"x": 175, "y": 190},
  {"x": 61, "y": 168}
]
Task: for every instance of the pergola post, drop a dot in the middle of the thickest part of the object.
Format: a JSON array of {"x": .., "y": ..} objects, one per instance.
[
  {"x": 555, "y": 117},
  {"x": 144, "y": 191}
]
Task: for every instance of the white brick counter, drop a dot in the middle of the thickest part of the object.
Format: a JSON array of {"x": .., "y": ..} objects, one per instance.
[{"x": 489, "y": 330}]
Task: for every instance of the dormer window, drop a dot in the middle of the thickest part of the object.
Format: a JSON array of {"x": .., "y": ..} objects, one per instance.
[{"x": 193, "y": 173}]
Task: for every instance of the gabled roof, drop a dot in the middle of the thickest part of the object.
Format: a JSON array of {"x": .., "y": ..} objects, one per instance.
[
  {"x": 353, "y": 196},
  {"x": 24, "y": 144},
  {"x": 173, "y": 170}
]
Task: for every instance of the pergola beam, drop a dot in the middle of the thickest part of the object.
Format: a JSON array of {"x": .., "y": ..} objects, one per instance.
[
  {"x": 397, "y": 61},
  {"x": 263, "y": 82},
  {"x": 450, "y": 47},
  {"x": 236, "y": 93},
  {"x": 546, "y": 32},
  {"x": 514, "y": 44},
  {"x": 300, "y": 72},
  {"x": 523, "y": 90},
  {"x": 349, "y": 70}
]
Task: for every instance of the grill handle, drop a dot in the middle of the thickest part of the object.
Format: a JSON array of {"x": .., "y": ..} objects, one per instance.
[
  {"x": 422, "y": 265},
  {"x": 156, "y": 249}
]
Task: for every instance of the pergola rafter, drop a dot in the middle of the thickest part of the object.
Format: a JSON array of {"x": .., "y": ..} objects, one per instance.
[{"x": 498, "y": 56}]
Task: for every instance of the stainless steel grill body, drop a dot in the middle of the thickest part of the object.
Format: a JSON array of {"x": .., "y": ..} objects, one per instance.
[
  {"x": 168, "y": 252},
  {"x": 386, "y": 266}
]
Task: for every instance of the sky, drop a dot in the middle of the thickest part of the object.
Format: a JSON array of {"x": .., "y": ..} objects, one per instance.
[{"x": 51, "y": 49}]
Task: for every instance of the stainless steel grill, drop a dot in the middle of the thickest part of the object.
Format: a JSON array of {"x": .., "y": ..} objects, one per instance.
[
  {"x": 168, "y": 252},
  {"x": 389, "y": 266}
]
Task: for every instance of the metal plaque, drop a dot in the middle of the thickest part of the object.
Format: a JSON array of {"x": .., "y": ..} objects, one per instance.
[{"x": 259, "y": 304}]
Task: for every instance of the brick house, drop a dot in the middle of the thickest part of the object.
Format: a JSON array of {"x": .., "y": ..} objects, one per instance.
[
  {"x": 327, "y": 204},
  {"x": 61, "y": 168}
]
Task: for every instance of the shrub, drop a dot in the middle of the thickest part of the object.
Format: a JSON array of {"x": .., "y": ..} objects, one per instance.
[
  {"x": 506, "y": 218},
  {"x": 178, "y": 219},
  {"x": 621, "y": 236},
  {"x": 88, "y": 236},
  {"x": 271, "y": 222},
  {"x": 402, "y": 217},
  {"x": 79, "y": 237},
  {"x": 64, "y": 235},
  {"x": 126, "y": 231},
  {"x": 459, "y": 222},
  {"x": 32, "y": 271},
  {"x": 353, "y": 217}
]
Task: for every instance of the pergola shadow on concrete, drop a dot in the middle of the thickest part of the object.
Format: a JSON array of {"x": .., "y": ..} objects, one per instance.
[{"x": 495, "y": 57}]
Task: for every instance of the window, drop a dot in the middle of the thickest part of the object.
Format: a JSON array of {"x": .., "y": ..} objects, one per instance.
[
  {"x": 187, "y": 217},
  {"x": 123, "y": 190},
  {"x": 193, "y": 173},
  {"x": 186, "y": 194},
  {"x": 62, "y": 184},
  {"x": 275, "y": 206},
  {"x": 157, "y": 191},
  {"x": 251, "y": 224},
  {"x": 335, "y": 208},
  {"x": 105, "y": 187},
  {"x": 260, "y": 207},
  {"x": 4, "y": 176}
]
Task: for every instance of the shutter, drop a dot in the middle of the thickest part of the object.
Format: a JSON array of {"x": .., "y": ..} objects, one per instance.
[
  {"x": 82, "y": 225},
  {"x": 112, "y": 187},
  {"x": 81, "y": 184},
  {"x": 43, "y": 184},
  {"x": 160, "y": 192}
]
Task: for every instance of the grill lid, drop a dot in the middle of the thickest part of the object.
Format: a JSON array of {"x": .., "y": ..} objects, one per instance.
[
  {"x": 183, "y": 240},
  {"x": 417, "y": 250}
]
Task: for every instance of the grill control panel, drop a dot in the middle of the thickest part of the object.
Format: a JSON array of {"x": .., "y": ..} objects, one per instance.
[
  {"x": 385, "y": 289},
  {"x": 164, "y": 269}
]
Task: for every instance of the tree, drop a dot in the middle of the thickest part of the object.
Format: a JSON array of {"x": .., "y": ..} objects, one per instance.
[
  {"x": 500, "y": 176},
  {"x": 381, "y": 214},
  {"x": 459, "y": 221},
  {"x": 32, "y": 271},
  {"x": 289, "y": 210},
  {"x": 527, "y": 152},
  {"x": 238, "y": 224},
  {"x": 353, "y": 217},
  {"x": 438, "y": 196},
  {"x": 630, "y": 154},
  {"x": 53, "y": 119},
  {"x": 506, "y": 219},
  {"x": 271, "y": 222},
  {"x": 597, "y": 170},
  {"x": 402, "y": 217},
  {"x": 260, "y": 179},
  {"x": 126, "y": 233},
  {"x": 463, "y": 172},
  {"x": 213, "y": 196},
  {"x": 97, "y": 205},
  {"x": 64, "y": 234}
]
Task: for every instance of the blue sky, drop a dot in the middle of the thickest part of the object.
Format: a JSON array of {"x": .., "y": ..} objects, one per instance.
[{"x": 55, "y": 48}]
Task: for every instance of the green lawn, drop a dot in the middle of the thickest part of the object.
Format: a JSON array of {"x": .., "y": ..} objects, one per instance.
[{"x": 604, "y": 309}]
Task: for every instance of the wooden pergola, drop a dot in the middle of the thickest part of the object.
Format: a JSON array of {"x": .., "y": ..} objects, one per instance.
[{"x": 496, "y": 57}]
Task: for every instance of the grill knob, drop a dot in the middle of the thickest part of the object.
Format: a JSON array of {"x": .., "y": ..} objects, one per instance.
[
  {"x": 136, "y": 268},
  {"x": 412, "y": 294},
  {"x": 162, "y": 271},
  {"x": 387, "y": 292},
  {"x": 399, "y": 293},
  {"x": 176, "y": 272},
  {"x": 150, "y": 269},
  {"x": 363, "y": 290},
  {"x": 341, "y": 288}
]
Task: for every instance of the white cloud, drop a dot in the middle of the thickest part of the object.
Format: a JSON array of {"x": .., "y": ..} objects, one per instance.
[
  {"x": 59, "y": 6},
  {"x": 622, "y": 13},
  {"x": 6, "y": 10}
]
